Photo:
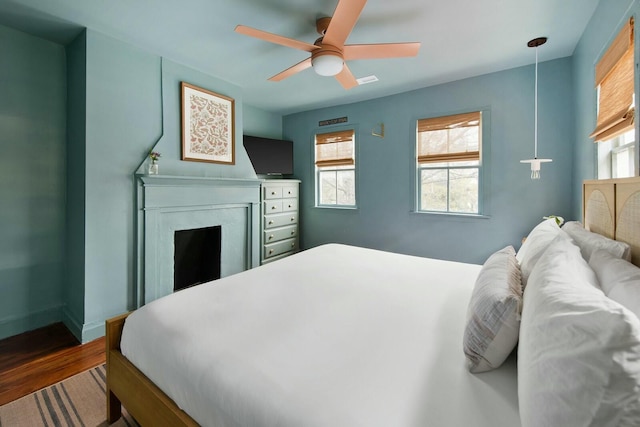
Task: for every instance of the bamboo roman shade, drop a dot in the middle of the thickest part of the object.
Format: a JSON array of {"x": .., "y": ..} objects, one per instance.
[
  {"x": 335, "y": 149},
  {"x": 446, "y": 139},
  {"x": 615, "y": 82}
]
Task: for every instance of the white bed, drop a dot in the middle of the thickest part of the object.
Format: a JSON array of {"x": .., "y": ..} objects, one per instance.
[
  {"x": 333, "y": 336},
  {"x": 345, "y": 336}
]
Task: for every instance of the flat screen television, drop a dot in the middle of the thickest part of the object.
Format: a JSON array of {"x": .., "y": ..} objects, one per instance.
[{"x": 269, "y": 156}]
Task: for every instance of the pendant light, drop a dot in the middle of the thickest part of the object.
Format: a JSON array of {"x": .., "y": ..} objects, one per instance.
[{"x": 535, "y": 162}]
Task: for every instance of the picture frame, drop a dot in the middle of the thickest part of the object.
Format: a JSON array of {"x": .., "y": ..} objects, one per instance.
[{"x": 208, "y": 125}]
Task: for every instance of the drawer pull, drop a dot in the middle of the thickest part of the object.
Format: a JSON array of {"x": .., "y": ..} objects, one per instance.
[
  {"x": 289, "y": 205},
  {"x": 273, "y": 193},
  {"x": 293, "y": 245},
  {"x": 273, "y": 207},
  {"x": 270, "y": 251},
  {"x": 293, "y": 232},
  {"x": 293, "y": 218},
  {"x": 270, "y": 222},
  {"x": 271, "y": 237}
]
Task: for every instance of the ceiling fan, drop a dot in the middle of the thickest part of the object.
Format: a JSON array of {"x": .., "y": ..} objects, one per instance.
[{"x": 329, "y": 53}]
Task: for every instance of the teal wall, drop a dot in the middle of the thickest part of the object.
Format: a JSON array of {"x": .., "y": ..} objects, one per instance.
[
  {"x": 73, "y": 313},
  {"x": 605, "y": 24},
  {"x": 258, "y": 122},
  {"x": 385, "y": 218},
  {"x": 77, "y": 123},
  {"x": 169, "y": 142},
  {"x": 132, "y": 106},
  {"x": 32, "y": 181},
  {"x": 123, "y": 120}
]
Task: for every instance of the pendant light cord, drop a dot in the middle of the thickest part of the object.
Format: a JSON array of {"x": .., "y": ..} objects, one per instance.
[
  {"x": 536, "y": 162},
  {"x": 535, "y": 132}
]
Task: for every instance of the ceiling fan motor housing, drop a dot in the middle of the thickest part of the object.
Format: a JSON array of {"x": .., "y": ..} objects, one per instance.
[{"x": 322, "y": 24}]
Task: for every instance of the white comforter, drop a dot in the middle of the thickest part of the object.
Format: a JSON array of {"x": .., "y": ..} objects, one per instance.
[{"x": 333, "y": 336}]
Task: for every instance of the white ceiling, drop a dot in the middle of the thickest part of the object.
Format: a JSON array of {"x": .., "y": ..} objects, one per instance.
[{"x": 460, "y": 38}]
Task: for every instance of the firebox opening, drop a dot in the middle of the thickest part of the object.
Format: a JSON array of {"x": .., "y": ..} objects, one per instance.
[{"x": 196, "y": 256}]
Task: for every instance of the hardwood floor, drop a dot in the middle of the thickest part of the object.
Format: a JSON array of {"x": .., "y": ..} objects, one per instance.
[{"x": 42, "y": 357}]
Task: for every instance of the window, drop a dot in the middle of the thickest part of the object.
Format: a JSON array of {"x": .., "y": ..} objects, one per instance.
[
  {"x": 616, "y": 107},
  {"x": 448, "y": 162},
  {"x": 617, "y": 156},
  {"x": 336, "y": 169}
]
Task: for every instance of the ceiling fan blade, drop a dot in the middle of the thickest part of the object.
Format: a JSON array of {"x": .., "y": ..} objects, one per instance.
[
  {"x": 382, "y": 50},
  {"x": 345, "y": 78},
  {"x": 300, "y": 66},
  {"x": 342, "y": 22},
  {"x": 274, "y": 38}
]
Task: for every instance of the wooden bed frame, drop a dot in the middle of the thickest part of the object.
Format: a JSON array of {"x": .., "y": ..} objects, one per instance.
[{"x": 610, "y": 208}]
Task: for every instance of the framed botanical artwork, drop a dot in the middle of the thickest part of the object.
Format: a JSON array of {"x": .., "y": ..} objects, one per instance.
[{"x": 207, "y": 126}]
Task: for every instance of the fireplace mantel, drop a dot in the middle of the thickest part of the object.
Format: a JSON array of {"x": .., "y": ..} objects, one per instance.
[{"x": 166, "y": 204}]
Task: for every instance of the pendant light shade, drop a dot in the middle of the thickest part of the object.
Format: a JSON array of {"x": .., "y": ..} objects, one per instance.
[
  {"x": 536, "y": 162},
  {"x": 535, "y": 166}
]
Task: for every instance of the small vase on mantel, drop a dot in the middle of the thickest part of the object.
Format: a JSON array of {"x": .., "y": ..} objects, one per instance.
[{"x": 153, "y": 167}]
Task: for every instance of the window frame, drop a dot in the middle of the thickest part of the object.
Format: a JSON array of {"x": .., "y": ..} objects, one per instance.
[
  {"x": 317, "y": 170},
  {"x": 483, "y": 166},
  {"x": 607, "y": 149}
]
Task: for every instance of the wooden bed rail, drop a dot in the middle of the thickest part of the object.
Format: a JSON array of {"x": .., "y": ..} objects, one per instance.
[{"x": 113, "y": 330}]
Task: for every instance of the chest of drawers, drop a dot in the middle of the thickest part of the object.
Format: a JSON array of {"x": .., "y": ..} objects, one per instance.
[{"x": 279, "y": 229}]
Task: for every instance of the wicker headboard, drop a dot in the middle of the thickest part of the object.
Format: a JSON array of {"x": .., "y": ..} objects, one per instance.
[{"x": 611, "y": 207}]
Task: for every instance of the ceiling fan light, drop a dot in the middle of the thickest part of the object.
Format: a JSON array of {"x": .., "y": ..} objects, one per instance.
[{"x": 328, "y": 64}]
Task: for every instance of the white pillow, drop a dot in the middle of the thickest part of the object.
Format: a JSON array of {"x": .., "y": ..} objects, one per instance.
[
  {"x": 493, "y": 318},
  {"x": 619, "y": 279},
  {"x": 579, "y": 351},
  {"x": 588, "y": 242},
  {"x": 535, "y": 244}
]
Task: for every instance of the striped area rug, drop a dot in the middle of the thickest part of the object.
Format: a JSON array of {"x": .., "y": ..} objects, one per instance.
[{"x": 76, "y": 401}]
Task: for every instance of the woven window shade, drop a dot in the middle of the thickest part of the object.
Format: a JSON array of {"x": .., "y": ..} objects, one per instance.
[
  {"x": 449, "y": 139},
  {"x": 449, "y": 122},
  {"x": 335, "y": 149},
  {"x": 615, "y": 79}
]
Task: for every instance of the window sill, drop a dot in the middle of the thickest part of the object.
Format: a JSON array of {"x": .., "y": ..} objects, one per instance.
[
  {"x": 452, "y": 215},
  {"x": 337, "y": 208}
]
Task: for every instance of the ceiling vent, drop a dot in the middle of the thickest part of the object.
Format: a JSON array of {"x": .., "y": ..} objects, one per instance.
[{"x": 368, "y": 79}]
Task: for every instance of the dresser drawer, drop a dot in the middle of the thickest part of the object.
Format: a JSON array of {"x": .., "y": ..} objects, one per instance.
[
  {"x": 272, "y": 206},
  {"x": 272, "y": 192},
  {"x": 278, "y": 234},
  {"x": 278, "y": 248},
  {"x": 290, "y": 191},
  {"x": 289, "y": 205},
  {"x": 280, "y": 220}
]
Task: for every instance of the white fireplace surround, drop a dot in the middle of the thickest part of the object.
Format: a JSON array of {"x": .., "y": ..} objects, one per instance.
[{"x": 167, "y": 204}]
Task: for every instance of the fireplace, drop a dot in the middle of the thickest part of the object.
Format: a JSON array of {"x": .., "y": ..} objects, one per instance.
[
  {"x": 229, "y": 209},
  {"x": 196, "y": 256}
]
